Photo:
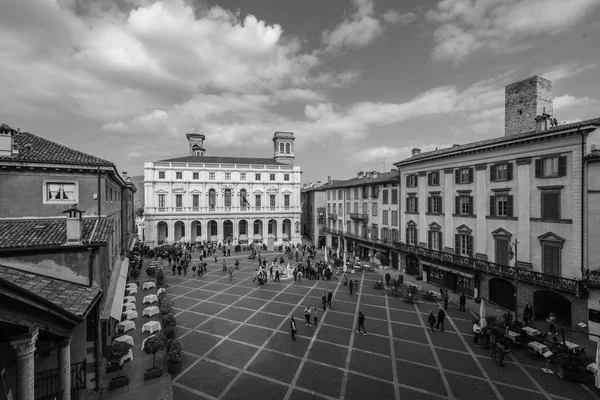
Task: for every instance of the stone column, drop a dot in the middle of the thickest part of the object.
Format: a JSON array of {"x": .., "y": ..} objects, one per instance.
[
  {"x": 24, "y": 347},
  {"x": 64, "y": 367}
]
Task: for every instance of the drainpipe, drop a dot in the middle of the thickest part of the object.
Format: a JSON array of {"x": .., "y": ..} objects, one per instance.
[
  {"x": 99, "y": 195},
  {"x": 90, "y": 266},
  {"x": 97, "y": 355},
  {"x": 583, "y": 238}
]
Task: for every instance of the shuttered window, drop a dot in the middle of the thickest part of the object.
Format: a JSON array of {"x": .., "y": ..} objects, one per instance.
[{"x": 550, "y": 205}]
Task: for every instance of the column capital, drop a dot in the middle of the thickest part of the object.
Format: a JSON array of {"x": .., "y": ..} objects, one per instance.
[
  {"x": 65, "y": 342},
  {"x": 25, "y": 344}
]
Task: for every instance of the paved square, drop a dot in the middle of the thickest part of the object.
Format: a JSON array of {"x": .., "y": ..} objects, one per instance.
[{"x": 237, "y": 343}]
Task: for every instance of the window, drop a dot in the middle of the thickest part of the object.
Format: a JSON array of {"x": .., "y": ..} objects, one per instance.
[
  {"x": 375, "y": 192},
  {"x": 463, "y": 243},
  {"x": 356, "y": 193},
  {"x": 257, "y": 177},
  {"x": 434, "y": 238},
  {"x": 286, "y": 177},
  {"x": 394, "y": 218},
  {"x": 394, "y": 196},
  {"x": 374, "y": 209},
  {"x": 211, "y": 176},
  {"x": 243, "y": 200},
  {"x": 412, "y": 204},
  {"x": 411, "y": 233},
  {"x": 395, "y": 235},
  {"x": 412, "y": 181},
  {"x": 464, "y": 205},
  {"x": 196, "y": 176},
  {"x": 161, "y": 201},
  {"x": 178, "y": 201},
  {"x": 212, "y": 199},
  {"x": 288, "y": 148},
  {"x": 365, "y": 191},
  {"x": 334, "y": 194},
  {"x": 434, "y": 204},
  {"x": 178, "y": 175},
  {"x": 385, "y": 217},
  {"x": 161, "y": 174},
  {"x": 501, "y": 205},
  {"x": 433, "y": 178},
  {"x": 384, "y": 197},
  {"x": 463, "y": 175},
  {"x": 243, "y": 176},
  {"x": 365, "y": 209},
  {"x": 271, "y": 177},
  {"x": 227, "y": 197},
  {"x": 550, "y": 205},
  {"x": 551, "y": 253},
  {"x": 286, "y": 200},
  {"x": 227, "y": 176},
  {"x": 281, "y": 148},
  {"x": 195, "y": 200},
  {"x": 257, "y": 200},
  {"x": 551, "y": 167},
  {"x": 272, "y": 201},
  {"x": 502, "y": 247},
  {"x": 356, "y": 208},
  {"x": 501, "y": 172},
  {"x": 347, "y": 207},
  {"x": 61, "y": 192}
]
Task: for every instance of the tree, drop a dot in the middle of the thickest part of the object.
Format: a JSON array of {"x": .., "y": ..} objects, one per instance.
[
  {"x": 153, "y": 345},
  {"x": 139, "y": 212},
  {"x": 134, "y": 273},
  {"x": 115, "y": 352}
]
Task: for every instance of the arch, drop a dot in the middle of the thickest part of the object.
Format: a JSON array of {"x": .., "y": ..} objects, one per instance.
[
  {"x": 227, "y": 231},
  {"x": 244, "y": 199},
  {"x": 286, "y": 228},
  {"x": 257, "y": 230},
  {"x": 288, "y": 148},
  {"x": 212, "y": 231},
  {"x": 281, "y": 148},
  {"x": 179, "y": 231},
  {"x": 227, "y": 197},
  {"x": 212, "y": 199},
  {"x": 502, "y": 292},
  {"x": 546, "y": 301},
  {"x": 196, "y": 230},
  {"x": 243, "y": 231},
  {"x": 162, "y": 232},
  {"x": 272, "y": 228}
]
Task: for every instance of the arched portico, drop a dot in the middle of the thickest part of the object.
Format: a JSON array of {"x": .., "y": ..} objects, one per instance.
[
  {"x": 162, "y": 231},
  {"x": 286, "y": 229},
  {"x": 228, "y": 231},
  {"x": 212, "y": 231},
  {"x": 502, "y": 292},
  {"x": 257, "y": 230},
  {"x": 196, "y": 231},
  {"x": 243, "y": 231},
  {"x": 179, "y": 231},
  {"x": 272, "y": 229}
]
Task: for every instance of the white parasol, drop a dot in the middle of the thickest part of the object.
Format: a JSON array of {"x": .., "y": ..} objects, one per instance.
[
  {"x": 482, "y": 322},
  {"x": 345, "y": 266},
  {"x": 326, "y": 253}
]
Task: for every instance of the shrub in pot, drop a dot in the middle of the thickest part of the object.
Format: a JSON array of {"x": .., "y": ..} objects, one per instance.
[
  {"x": 153, "y": 345},
  {"x": 160, "y": 278},
  {"x": 151, "y": 271},
  {"x": 113, "y": 354},
  {"x": 169, "y": 332},
  {"x": 169, "y": 320},
  {"x": 135, "y": 273},
  {"x": 174, "y": 356}
]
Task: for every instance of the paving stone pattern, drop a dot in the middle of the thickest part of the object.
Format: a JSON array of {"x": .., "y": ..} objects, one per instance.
[{"x": 237, "y": 343}]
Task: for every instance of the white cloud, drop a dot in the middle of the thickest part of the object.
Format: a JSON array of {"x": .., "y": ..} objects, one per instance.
[
  {"x": 500, "y": 26},
  {"x": 567, "y": 100},
  {"x": 394, "y": 17},
  {"x": 563, "y": 71},
  {"x": 390, "y": 154}
]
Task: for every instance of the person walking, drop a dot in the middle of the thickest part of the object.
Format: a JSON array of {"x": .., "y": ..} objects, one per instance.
[
  {"x": 307, "y": 315},
  {"x": 230, "y": 273},
  {"x": 351, "y": 286},
  {"x": 193, "y": 271},
  {"x": 552, "y": 323},
  {"x": 174, "y": 267},
  {"x": 293, "y": 328},
  {"x": 185, "y": 267},
  {"x": 324, "y": 301},
  {"x": 316, "y": 315},
  {"x": 431, "y": 320},
  {"x": 440, "y": 318},
  {"x": 179, "y": 269},
  {"x": 361, "y": 323},
  {"x": 271, "y": 273},
  {"x": 329, "y": 298},
  {"x": 462, "y": 301},
  {"x": 527, "y": 313},
  {"x": 276, "y": 275},
  {"x": 476, "y": 331}
]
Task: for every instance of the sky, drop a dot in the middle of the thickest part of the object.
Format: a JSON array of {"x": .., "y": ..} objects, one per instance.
[{"x": 359, "y": 82}]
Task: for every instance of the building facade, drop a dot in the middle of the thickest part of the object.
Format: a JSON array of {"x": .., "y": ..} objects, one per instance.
[
  {"x": 312, "y": 198},
  {"x": 504, "y": 218},
  {"x": 224, "y": 199},
  {"x": 362, "y": 217}
]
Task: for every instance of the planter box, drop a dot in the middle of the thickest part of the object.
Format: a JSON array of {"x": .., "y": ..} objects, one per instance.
[
  {"x": 572, "y": 375},
  {"x": 153, "y": 373},
  {"x": 110, "y": 368},
  {"x": 174, "y": 368},
  {"x": 119, "y": 382}
]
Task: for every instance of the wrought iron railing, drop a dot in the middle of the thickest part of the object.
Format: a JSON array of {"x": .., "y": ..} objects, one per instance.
[
  {"x": 332, "y": 216},
  {"x": 46, "y": 382},
  {"x": 359, "y": 216}
]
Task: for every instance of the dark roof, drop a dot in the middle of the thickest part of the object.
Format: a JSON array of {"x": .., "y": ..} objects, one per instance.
[
  {"x": 382, "y": 177},
  {"x": 30, "y": 233},
  {"x": 321, "y": 187},
  {"x": 72, "y": 297},
  {"x": 36, "y": 149},
  {"x": 224, "y": 160},
  {"x": 497, "y": 140},
  {"x": 594, "y": 155}
]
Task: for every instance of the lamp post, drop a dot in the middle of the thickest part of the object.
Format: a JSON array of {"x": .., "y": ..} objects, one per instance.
[
  {"x": 371, "y": 228},
  {"x": 514, "y": 254}
]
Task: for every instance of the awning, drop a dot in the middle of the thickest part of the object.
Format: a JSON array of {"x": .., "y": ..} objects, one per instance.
[
  {"x": 243, "y": 237},
  {"x": 214, "y": 238},
  {"x": 113, "y": 306},
  {"x": 448, "y": 269},
  {"x": 257, "y": 237}
]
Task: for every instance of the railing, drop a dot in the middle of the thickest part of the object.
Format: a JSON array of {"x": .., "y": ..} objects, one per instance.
[
  {"x": 332, "y": 216},
  {"x": 158, "y": 210},
  {"x": 46, "y": 383},
  {"x": 359, "y": 216},
  {"x": 477, "y": 265}
]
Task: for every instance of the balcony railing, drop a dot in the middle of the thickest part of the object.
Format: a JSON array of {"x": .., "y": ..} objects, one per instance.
[
  {"x": 525, "y": 275},
  {"x": 158, "y": 210},
  {"x": 359, "y": 216},
  {"x": 332, "y": 216}
]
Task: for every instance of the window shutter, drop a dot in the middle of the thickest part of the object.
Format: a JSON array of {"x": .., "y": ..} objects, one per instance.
[
  {"x": 457, "y": 176},
  {"x": 407, "y": 180},
  {"x": 492, "y": 206},
  {"x": 440, "y": 240},
  {"x": 429, "y": 204},
  {"x": 416, "y": 180},
  {"x": 429, "y": 179},
  {"x": 544, "y": 201},
  {"x": 510, "y": 206},
  {"x": 441, "y": 205},
  {"x": 429, "y": 234},
  {"x": 407, "y": 237},
  {"x": 470, "y": 175},
  {"x": 416, "y": 236},
  {"x": 416, "y": 204},
  {"x": 457, "y": 205},
  {"x": 470, "y": 245},
  {"x": 456, "y": 243},
  {"x": 538, "y": 168},
  {"x": 492, "y": 173},
  {"x": 407, "y": 200},
  {"x": 562, "y": 166},
  {"x": 509, "y": 172},
  {"x": 471, "y": 211}
]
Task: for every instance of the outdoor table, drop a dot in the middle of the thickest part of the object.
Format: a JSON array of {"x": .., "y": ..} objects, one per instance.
[
  {"x": 131, "y": 290},
  {"x": 531, "y": 331},
  {"x": 151, "y": 327},
  {"x": 128, "y": 356},
  {"x": 126, "y": 326},
  {"x": 435, "y": 294},
  {"x": 131, "y": 285},
  {"x": 160, "y": 290},
  {"x": 130, "y": 314},
  {"x": 150, "y": 311},
  {"x": 144, "y": 341},
  {"x": 129, "y": 299},
  {"x": 538, "y": 347},
  {"x": 151, "y": 298},
  {"x": 512, "y": 336},
  {"x": 149, "y": 285},
  {"x": 593, "y": 368},
  {"x": 125, "y": 339},
  {"x": 128, "y": 306}
]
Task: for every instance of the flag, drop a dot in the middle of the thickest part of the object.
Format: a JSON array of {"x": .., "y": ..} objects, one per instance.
[{"x": 246, "y": 201}]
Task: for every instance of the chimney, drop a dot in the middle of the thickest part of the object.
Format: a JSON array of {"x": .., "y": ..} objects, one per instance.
[
  {"x": 329, "y": 179},
  {"x": 542, "y": 122},
  {"x": 6, "y": 141},
  {"x": 416, "y": 151},
  {"x": 196, "y": 144},
  {"x": 360, "y": 174},
  {"x": 73, "y": 224},
  {"x": 124, "y": 175},
  {"x": 368, "y": 174},
  {"x": 318, "y": 183},
  {"x": 374, "y": 174}
]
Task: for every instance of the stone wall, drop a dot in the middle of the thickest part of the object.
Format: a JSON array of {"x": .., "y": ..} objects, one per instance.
[{"x": 525, "y": 100}]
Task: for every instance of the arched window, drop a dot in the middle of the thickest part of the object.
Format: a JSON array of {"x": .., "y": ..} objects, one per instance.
[
  {"x": 288, "y": 148},
  {"x": 227, "y": 197},
  {"x": 212, "y": 199},
  {"x": 243, "y": 199},
  {"x": 281, "y": 148}
]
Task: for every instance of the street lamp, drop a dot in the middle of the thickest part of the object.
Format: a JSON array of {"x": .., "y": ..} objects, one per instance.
[
  {"x": 514, "y": 254},
  {"x": 371, "y": 228}
]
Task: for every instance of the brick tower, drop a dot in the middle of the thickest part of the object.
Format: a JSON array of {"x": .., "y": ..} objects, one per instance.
[{"x": 523, "y": 102}]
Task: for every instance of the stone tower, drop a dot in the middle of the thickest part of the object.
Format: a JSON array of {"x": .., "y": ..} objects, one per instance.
[
  {"x": 523, "y": 102},
  {"x": 196, "y": 141},
  {"x": 283, "y": 147}
]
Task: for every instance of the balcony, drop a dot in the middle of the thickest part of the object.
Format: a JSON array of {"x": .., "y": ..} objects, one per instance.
[
  {"x": 332, "y": 216},
  {"x": 196, "y": 210},
  {"x": 359, "y": 217}
]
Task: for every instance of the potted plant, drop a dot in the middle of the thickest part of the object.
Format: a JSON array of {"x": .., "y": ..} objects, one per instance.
[
  {"x": 174, "y": 356},
  {"x": 113, "y": 354},
  {"x": 169, "y": 321},
  {"x": 572, "y": 367},
  {"x": 153, "y": 345},
  {"x": 160, "y": 278},
  {"x": 135, "y": 273},
  {"x": 151, "y": 271}
]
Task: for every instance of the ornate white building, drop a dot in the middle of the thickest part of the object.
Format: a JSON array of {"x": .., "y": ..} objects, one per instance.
[{"x": 224, "y": 199}]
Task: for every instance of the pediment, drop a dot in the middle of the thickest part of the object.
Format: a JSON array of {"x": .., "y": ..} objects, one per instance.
[
  {"x": 162, "y": 191},
  {"x": 464, "y": 228},
  {"x": 273, "y": 189},
  {"x": 286, "y": 192},
  {"x": 551, "y": 237},
  {"x": 195, "y": 191},
  {"x": 435, "y": 225},
  {"x": 258, "y": 191},
  {"x": 501, "y": 232},
  {"x": 411, "y": 223}
]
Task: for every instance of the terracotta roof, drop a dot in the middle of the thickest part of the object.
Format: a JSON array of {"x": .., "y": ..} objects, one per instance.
[
  {"x": 72, "y": 297},
  {"x": 31, "y": 233},
  {"x": 594, "y": 155},
  {"x": 497, "y": 140},
  {"x": 224, "y": 160},
  {"x": 382, "y": 177},
  {"x": 36, "y": 149},
  {"x": 321, "y": 187}
]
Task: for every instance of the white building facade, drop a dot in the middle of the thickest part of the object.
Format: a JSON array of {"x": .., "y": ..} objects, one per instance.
[{"x": 229, "y": 200}]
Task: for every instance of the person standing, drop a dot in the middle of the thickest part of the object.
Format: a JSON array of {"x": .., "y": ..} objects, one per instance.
[
  {"x": 527, "y": 313},
  {"x": 361, "y": 323},
  {"x": 271, "y": 273},
  {"x": 230, "y": 273},
  {"x": 431, "y": 320},
  {"x": 324, "y": 301},
  {"x": 351, "y": 286},
  {"x": 552, "y": 323},
  {"x": 476, "y": 331},
  {"x": 462, "y": 302},
  {"x": 276, "y": 275},
  {"x": 316, "y": 315},
  {"x": 174, "y": 267},
  {"x": 441, "y": 316},
  {"x": 293, "y": 327},
  {"x": 307, "y": 315},
  {"x": 329, "y": 298}
]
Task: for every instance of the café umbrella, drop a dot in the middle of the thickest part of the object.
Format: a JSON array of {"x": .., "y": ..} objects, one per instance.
[{"x": 482, "y": 322}]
